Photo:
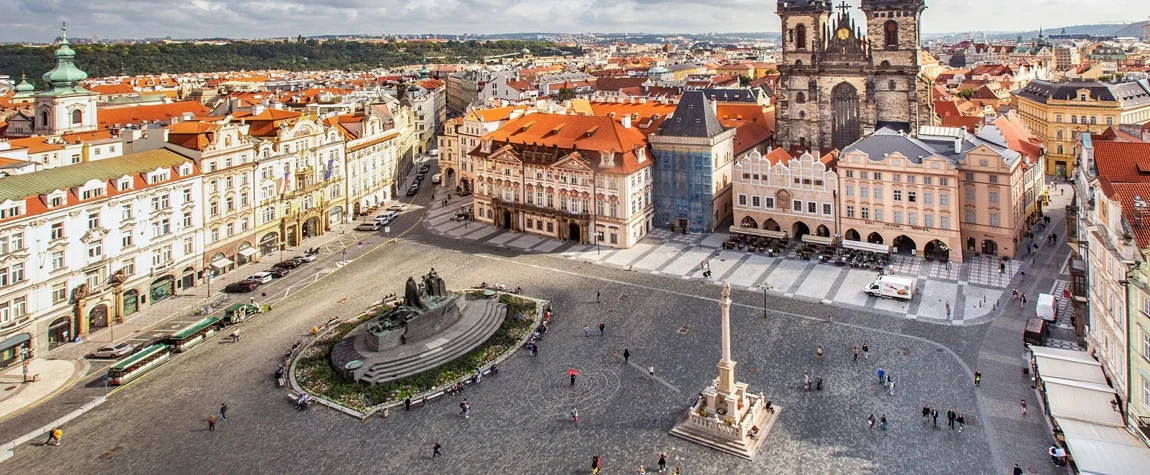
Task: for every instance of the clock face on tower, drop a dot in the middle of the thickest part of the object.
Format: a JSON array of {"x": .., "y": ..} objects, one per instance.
[{"x": 844, "y": 33}]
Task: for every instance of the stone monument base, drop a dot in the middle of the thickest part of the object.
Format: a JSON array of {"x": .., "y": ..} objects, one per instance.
[{"x": 733, "y": 439}]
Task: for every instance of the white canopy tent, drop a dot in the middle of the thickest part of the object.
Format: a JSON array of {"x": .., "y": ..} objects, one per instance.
[{"x": 866, "y": 246}]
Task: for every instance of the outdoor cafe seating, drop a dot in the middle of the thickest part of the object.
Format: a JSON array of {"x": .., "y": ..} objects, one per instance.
[{"x": 756, "y": 240}]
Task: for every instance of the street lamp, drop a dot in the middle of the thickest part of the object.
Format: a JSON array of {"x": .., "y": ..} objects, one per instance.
[
  {"x": 24, "y": 352},
  {"x": 764, "y": 286},
  {"x": 598, "y": 237}
]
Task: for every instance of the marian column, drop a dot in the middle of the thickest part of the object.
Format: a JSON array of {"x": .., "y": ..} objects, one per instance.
[{"x": 726, "y": 365}]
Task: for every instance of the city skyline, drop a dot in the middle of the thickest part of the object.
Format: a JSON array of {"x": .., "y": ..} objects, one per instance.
[{"x": 35, "y": 21}]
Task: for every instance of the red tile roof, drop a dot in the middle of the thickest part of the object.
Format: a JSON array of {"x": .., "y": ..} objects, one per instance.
[
  {"x": 1120, "y": 162},
  {"x": 1138, "y": 218},
  {"x": 587, "y": 134},
  {"x": 137, "y": 115}
]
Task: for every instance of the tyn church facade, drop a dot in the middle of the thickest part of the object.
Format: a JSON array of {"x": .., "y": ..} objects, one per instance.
[{"x": 841, "y": 81}]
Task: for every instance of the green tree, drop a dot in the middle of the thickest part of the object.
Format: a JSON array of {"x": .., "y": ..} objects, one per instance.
[
  {"x": 564, "y": 94},
  {"x": 966, "y": 93},
  {"x": 744, "y": 81}
]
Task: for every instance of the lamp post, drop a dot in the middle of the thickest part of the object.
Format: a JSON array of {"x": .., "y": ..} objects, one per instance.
[
  {"x": 764, "y": 286},
  {"x": 24, "y": 352},
  {"x": 598, "y": 237}
]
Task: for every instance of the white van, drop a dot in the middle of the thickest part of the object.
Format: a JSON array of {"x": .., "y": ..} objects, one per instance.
[
  {"x": 1046, "y": 308},
  {"x": 891, "y": 286},
  {"x": 436, "y": 178}
]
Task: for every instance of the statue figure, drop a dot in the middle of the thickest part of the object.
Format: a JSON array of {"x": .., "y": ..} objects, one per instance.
[
  {"x": 411, "y": 297},
  {"x": 80, "y": 292},
  {"x": 726, "y": 293}
]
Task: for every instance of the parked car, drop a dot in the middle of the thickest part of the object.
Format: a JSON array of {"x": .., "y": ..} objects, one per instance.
[
  {"x": 419, "y": 178},
  {"x": 307, "y": 257},
  {"x": 241, "y": 287},
  {"x": 288, "y": 264},
  {"x": 396, "y": 207},
  {"x": 413, "y": 190},
  {"x": 261, "y": 277},
  {"x": 436, "y": 178},
  {"x": 368, "y": 226},
  {"x": 424, "y": 168},
  {"x": 114, "y": 351},
  {"x": 277, "y": 272},
  {"x": 386, "y": 217}
]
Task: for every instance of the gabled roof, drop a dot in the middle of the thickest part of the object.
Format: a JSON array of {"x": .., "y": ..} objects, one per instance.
[
  {"x": 1122, "y": 162},
  {"x": 694, "y": 117},
  {"x": 1137, "y": 215},
  {"x": 886, "y": 141},
  {"x": 1018, "y": 138}
]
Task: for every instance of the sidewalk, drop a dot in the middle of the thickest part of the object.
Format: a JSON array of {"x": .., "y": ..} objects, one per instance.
[{"x": 54, "y": 375}]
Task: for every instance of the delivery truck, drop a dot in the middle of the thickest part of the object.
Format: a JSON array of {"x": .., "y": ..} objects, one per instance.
[
  {"x": 1046, "y": 308},
  {"x": 893, "y": 287}
]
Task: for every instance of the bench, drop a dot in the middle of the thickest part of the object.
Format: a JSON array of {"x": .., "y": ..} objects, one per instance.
[{"x": 293, "y": 396}]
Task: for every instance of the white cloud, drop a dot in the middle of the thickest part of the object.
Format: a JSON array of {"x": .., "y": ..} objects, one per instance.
[{"x": 38, "y": 20}]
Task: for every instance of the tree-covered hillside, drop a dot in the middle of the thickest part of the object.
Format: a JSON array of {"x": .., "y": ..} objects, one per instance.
[{"x": 155, "y": 58}]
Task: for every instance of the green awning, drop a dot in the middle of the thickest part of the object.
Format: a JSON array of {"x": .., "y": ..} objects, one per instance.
[{"x": 194, "y": 328}]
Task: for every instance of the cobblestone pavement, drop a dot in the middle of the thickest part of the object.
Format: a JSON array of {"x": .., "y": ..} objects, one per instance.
[
  {"x": 518, "y": 420},
  {"x": 974, "y": 288}
]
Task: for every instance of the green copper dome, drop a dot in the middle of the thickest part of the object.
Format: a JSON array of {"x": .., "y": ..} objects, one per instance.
[
  {"x": 24, "y": 87},
  {"x": 65, "y": 74}
]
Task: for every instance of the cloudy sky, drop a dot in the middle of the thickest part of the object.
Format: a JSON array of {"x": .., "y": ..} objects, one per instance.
[{"x": 38, "y": 20}]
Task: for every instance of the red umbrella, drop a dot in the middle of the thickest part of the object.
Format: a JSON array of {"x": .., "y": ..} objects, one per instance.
[{"x": 572, "y": 372}]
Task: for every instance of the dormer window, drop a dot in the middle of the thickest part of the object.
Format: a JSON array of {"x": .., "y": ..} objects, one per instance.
[
  {"x": 159, "y": 177},
  {"x": 186, "y": 170},
  {"x": 11, "y": 211},
  {"x": 607, "y": 159},
  {"x": 125, "y": 184},
  {"x": 641, "y": 155},
  {"x": 92, "y": 193}
]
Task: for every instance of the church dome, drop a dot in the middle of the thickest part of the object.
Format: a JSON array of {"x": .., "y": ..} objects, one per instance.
[
  {"x": 24, "y": 86},
  {"x": 525, "y": 51},
  {"x": 65, "y": 74}
]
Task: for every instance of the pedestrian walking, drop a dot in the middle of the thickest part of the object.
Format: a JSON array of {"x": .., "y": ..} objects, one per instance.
[
  {"x": 626, "y": 355},
  {"x": 925, "y": 413},
  {"x": 602, "y": 329},
  {"x": 1053, "y": 452},
  {"x": 597, "y": 297},
  {"x": 1023, "y": 275},
  {"x": 892, "y": 388},
  {"x": 662, "y": 461},
  {"x": 586, "y": 331},
  {"x": 948, "y": 310},
  {"x": 575, "y": 415},
  {"x": 950, "y": 418},
  {"x": 478, "y": 375},
  {"x": 870, "y": 422},
  {"x": 977, "y": 378},
  {"x": 865, "y": 350},
  {"x": 54, "y": 436},
  {"x": 819, "y": 352},
  {"x": 212, "y": 422},
  {"x": 435, "y": 450},
  {"x": 224, "y": 411},
  {"x": 1017, "y": 470},
  {"x": 572, "y": 379},
  {"x": 651, "y": 370},
  {"x": 465, "y": 409},
  {"x": 595, "y": 465},
  {"x": 881, "y": 374},
  {"x": 855, "y": 354},
  {"x": 882, "y": 421},
  {"x": 252, "y": 301},
  {"x": 640, "y": 471},
  {"x": 961, "y": 422},
  {"x": 1023, "y": 404},
  {"x": 934, "y": 415},
  {"x": 236, "y": 335},
  {"x": 1014, "y": 294}
]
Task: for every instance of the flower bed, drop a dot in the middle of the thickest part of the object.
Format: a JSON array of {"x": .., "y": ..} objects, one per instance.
[{"x": 315, "y": 374}]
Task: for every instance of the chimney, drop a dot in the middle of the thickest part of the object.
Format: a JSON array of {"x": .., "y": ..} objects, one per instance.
[
  {"x": 958, "y": 140},
  {"x": 714, "y": 107},
  {"x": 626, "y": 121}
]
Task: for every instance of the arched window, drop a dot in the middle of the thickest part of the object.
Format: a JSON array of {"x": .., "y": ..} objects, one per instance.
[
  {"x": 801, "y": 36},
  {"x": 890, "y": 34},
  {"x": 798, "y": 62},
  {"x": 44, "y": 118},
  {"x": 800, "y": 98},
  {"x": 1073, "y": 119},
  {"x": 802, "y": 114},
  {"x": 1058, "y": 133},
  {"x": 1093, "y": 120},
  {"x": 77, "y": 116}
]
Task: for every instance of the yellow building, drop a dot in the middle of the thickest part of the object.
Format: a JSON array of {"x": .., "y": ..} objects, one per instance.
[{"x": 1056, "y": 112}]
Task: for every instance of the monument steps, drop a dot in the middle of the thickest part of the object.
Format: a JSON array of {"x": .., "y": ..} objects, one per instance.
[{"x": 486, "y": 326}]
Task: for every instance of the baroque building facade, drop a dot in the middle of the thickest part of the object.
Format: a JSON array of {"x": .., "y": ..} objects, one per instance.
[{"x": 841, "y": 80}]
